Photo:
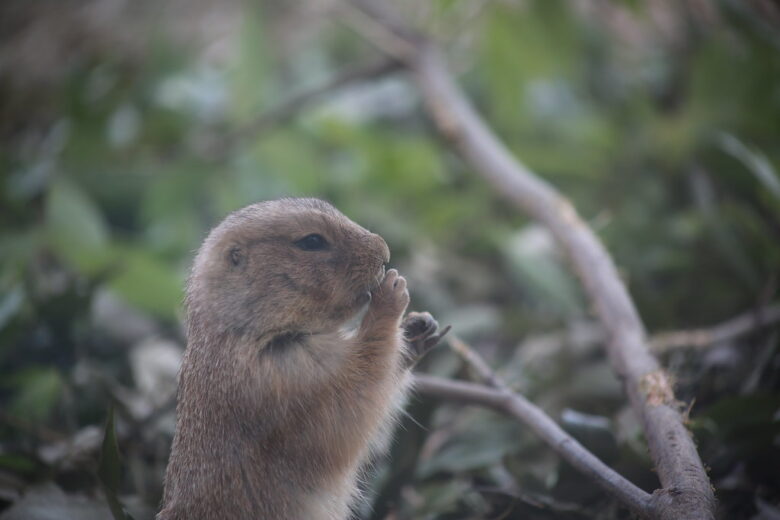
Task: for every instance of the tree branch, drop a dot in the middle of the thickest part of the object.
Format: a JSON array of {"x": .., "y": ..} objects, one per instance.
[
  {"x": 289, "y": 108},
  {"x": 590, "y": 334},
  {"x": 687, "y": 491},
  {"x": 518, "y": 407},
  {"x": 503, "y": 399},
  {"x": 703, "y": 337}
]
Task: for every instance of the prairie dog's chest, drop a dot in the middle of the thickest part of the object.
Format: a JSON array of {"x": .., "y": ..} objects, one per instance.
[
  {"x": 312, "y": 361},
  {"x": 332, "y": 501}
]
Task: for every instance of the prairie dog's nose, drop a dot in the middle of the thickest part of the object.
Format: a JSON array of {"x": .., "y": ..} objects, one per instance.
[{"x": 385, "y": 251}]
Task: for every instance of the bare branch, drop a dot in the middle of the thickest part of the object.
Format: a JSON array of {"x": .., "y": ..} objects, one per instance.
[
  {"x": 288, "y": 109},
  {"x": 377, "y": 34},
  {"x": 294, "y": 104},
  {"x": 518, "y": 407},
  {"x": 565, "y": 445},
  {"x": 476, "y": 363},
  {"x": 588, "y": 334},
  {"x": 687, "y": 491},
  {"x": 704, "y": 337}
]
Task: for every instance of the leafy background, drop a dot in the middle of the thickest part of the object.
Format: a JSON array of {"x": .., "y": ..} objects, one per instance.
[{"x": 124, "y": 138}]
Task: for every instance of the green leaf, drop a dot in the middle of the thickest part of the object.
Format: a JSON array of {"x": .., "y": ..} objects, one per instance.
[
  {"x": 75, "y": 227},
  {"x": 109, "y": 466},
  {"x": 728, "y": 241},
  {"x": 442, "y": 497},
  {"x": 147, "y": 282},
  {"x": 19, "y": 464},
  {"x": 10, "y": 304},
  {"x": 109, "y": 469},
  {"x": 251, "y": 78},
  {"x": 483, "y": 441},
  {"x": 37, "y": 392},
  {"x": 755, "y": 162},
  {"x": 532, "y": 257}
]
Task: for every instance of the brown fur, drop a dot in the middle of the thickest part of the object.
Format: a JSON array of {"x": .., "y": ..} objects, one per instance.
[{"x": 278, "y": 406}]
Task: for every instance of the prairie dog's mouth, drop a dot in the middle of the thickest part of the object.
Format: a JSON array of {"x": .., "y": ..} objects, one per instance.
[
  {"x": 363, "y": 297},
  {"x": 378, "y": 279},
  {"x": 357, "y": 310}
]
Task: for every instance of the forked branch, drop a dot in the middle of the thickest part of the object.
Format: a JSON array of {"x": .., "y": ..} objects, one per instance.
[
  {"x": 495, "y": 394},
  {"x": 686, "y": 491}
]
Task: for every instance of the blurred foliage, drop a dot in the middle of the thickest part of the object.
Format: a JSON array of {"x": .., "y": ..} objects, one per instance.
[{"x": 661, "y": 122}]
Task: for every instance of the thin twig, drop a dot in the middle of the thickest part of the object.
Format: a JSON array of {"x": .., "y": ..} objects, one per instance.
[
  {"x": 518, "y": 407},
  {"x": 221, "y": 147},
  {"x": 293, "y": 105},
  {"x": 377, "y": 34},
  {"x": 589, "y": 334},
  {"x": 476, "y": 363},
  {"x": 704, "y": 337},
  {"x": 475, "y": 9},
  {"x": 687, "y": 491}
]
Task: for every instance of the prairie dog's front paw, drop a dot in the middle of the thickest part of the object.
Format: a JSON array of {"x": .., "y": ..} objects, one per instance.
[
  {"x": 422, "y": 333},
  {"x": 391, "y": 298},
  {"x": 419, "y": 326}
]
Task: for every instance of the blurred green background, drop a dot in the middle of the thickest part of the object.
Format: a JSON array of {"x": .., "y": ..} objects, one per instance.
[{"x": 128, "y": 129}]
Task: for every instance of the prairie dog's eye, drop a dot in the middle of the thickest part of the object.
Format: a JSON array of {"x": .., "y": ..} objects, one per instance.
[
  {"x": 235, "y": 255},
  {"x": 313, "y": 242}
]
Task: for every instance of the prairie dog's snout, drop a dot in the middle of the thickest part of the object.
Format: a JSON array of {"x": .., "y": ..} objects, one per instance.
[{"x": 385, "y": 250}]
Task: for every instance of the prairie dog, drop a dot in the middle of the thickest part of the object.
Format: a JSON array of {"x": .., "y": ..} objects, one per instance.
[{"x": 279, "y": 406}]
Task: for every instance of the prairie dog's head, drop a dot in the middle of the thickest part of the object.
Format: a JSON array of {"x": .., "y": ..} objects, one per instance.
[{"x": 288, "y": 265}]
